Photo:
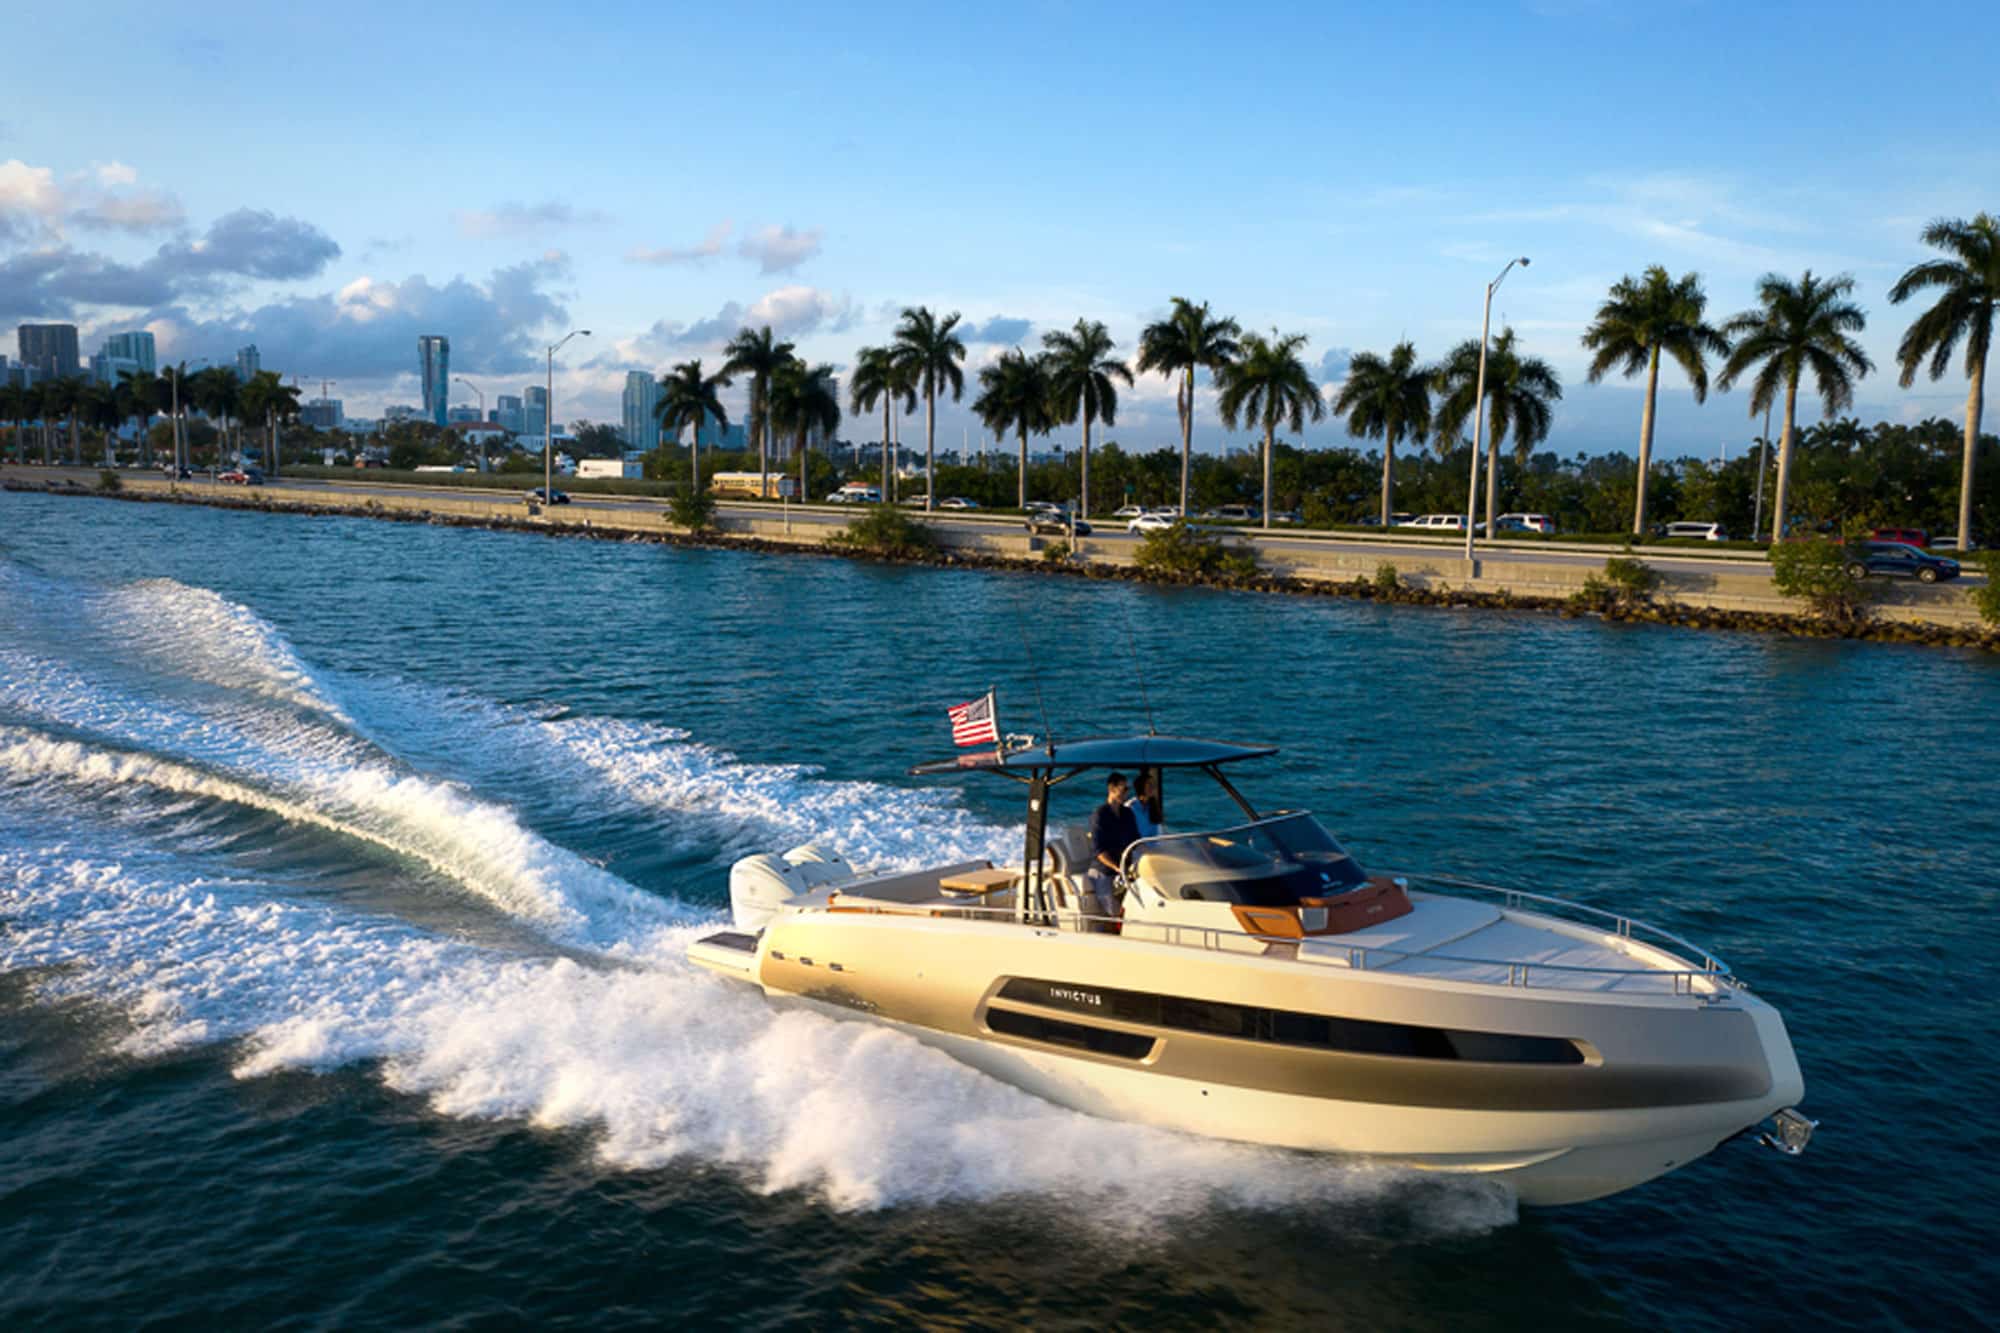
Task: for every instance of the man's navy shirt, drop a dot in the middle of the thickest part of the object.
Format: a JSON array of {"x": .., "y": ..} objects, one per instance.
[{"x": 1112, "y": 830}]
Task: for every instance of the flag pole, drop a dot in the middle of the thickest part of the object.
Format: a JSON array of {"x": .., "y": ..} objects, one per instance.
[{"x": 999, "y": 736}]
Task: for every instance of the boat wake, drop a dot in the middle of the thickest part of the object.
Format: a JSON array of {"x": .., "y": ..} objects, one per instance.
[{"x": 145, "y": 731}]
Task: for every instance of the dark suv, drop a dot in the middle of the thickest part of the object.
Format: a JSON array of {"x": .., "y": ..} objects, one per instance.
[{"x": 1898, "y": 560}]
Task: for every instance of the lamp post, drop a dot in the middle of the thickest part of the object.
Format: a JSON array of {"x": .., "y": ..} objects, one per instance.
[
  {"x": 482, "y": 416},
  {"x": 549, "y": 422},
  {"x": 1479, "y": 400}
]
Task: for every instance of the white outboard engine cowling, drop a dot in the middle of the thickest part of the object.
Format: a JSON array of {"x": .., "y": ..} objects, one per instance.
[{"x": 759, "y": 885}]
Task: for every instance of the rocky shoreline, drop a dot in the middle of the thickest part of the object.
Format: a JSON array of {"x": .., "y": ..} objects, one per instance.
[{"x": 1649, "y": 611}]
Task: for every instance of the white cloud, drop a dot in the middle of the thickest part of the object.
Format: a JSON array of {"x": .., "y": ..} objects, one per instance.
[
  {"x": 710, "y": 246},
  {"x": 517, "y": 219},
  {"x": 31, "y": 202},
  {"x": 777, "y": 249},
  {"x": 116, "y": 173}
]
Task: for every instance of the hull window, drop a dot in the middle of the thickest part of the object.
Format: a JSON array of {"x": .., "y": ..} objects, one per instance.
[
  {"x": 1082, "y": 1036},
  {"x": 1282, "y": 1027}
]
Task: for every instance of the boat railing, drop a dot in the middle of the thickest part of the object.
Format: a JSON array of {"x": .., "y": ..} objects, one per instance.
[
  {"x": 1710, "y": 980},
  {"x": 1624, "y": 927}
]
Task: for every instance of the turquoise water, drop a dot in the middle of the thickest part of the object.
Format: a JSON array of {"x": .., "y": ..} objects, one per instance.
[{"x": 344, "y": 869}]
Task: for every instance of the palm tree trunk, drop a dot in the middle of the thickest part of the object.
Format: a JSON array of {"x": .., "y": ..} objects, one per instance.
[
  {"x": 763, "y": 429},
  {"x": 694, "y": 461},
  {"x": 930, "y": 446},
  {"x": 1023, "y": 429},
  {"x": 1645, "y": 443},
  {"x": 1784, "y": 460},
  {"x": 75, "y": 444},
  {"x": 1975, "y": 408},
  {"x": 1269, "y": 424},
  {"x": 1388, "y": 476},
  {"x": 888, "y": 405},
  {"x": 1083, "y": 499},
  {"x": 1492, "y": 467},
  {"x": 1187, "y": 433}
]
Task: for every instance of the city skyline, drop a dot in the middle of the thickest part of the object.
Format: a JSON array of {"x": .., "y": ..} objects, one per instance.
[{"x": 1386, "y": 222}]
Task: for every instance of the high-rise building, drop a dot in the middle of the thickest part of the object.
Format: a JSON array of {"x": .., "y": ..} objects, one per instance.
[
  {"x": 535, "y": 410},
  {"x": 248, "y": 363},
  {"x": 642, "y": 422},
  {"x": 459, "y": 416},
  {"x": 50, "y": 349},
  {"x": 508, "y": 412},
  {"x": 323, "y": 414},
  {"x": 137, "y": 348},
  {"x": 737, "y": 437},
  {"x": 434, "y": 364}
]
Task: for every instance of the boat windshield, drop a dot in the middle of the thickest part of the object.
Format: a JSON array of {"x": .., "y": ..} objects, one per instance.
[{"x": 1274, "y": 862}]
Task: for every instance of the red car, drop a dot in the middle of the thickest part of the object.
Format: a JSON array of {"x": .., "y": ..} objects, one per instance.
[{"x": 1916, "y": 537}]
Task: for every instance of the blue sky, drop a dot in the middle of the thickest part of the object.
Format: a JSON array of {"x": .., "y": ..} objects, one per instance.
[{"x": 333, "y": 182}]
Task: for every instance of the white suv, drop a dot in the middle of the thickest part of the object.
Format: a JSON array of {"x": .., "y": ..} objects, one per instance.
[
  {"x": 1707, "y": 532},
  {"x": 1437, "y": 523}
]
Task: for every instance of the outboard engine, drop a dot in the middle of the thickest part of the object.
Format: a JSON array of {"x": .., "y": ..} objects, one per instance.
[{"x": 759, "y": 885}]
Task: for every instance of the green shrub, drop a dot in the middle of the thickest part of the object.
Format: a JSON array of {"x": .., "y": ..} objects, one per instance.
[
  {"x": 1057, "y": 552},
  {"x": 1185, "y": 551},
  {"x": 1634, "y": 580},
  {"x": 1820, "y": 573},
  {"x": 1986, "y": 599},
  {"x": 692, "y": 510},
  {"x": 1386, "y": 579},
  {"x": 107, "y": 480},
  {"x": 887, "y": 530}
]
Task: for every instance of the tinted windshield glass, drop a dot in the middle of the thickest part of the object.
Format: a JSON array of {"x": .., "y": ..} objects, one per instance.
[{"x": 1274, "y": 863}]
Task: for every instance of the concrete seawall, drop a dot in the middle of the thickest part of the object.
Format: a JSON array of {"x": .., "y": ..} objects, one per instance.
[{"x": 1689, "y": 581}]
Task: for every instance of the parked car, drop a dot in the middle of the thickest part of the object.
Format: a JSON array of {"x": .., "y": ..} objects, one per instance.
[
  {"x": 1437, "y": 523},
  {"x": 1397, "y": 519},
  {"x": 1541, "y": 523},
  {"x": 1043, "y": 507},
  {"x": 1232, "y": 514},
  {"x": 1706, "y": 532},
  {"x": 1898, "y": 560},
  {"x": 1290, "y": 518},
  {"x": 957, "y": 502},
  {"x": 1128, "y": 511},
  {"x": 539, "y": 496},
  {"x": 915, "y": 502},
  {"x": 1916, "y": 537},
  {"x": 1057, "y": 524},
  {"x": 1151, "y": 523},
  {"x": 1949, "y": 542},
  {"x": 241, "y": 476}
]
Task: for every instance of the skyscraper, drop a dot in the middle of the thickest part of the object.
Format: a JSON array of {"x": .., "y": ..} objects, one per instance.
[
  {"x": 248, "y": 363},
  {"x": 135, "y": 348},
  {"x": 642, "y": 397},
  {"x": 507, "y": 411},
  {"x": 535, "y": 410},
  {"x": 50, "y": 349},
  {"x": 434, "y": 363}
]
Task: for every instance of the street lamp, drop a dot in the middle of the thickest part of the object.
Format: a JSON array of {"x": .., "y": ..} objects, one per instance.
[
  {"x": 1479, "y": 401},
  {"x": 482, "y": 417},
  {"x": 549, "y": 422}
]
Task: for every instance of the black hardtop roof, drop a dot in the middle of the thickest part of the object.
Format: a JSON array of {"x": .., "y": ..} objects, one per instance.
[{"x": 1103, "y": 752}]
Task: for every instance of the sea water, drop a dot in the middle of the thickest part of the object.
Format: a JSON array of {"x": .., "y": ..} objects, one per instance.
[{"x": 346, "y": 869}]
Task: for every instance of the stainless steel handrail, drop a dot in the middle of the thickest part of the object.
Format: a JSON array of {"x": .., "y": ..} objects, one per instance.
[{"x": 1361, "y": 958}]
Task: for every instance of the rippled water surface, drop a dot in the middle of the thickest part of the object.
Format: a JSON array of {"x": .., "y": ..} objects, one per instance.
[{"x": 345, "y": 869}]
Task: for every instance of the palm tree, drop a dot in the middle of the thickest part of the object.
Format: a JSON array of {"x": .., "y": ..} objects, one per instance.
[
  {"x": 43, "y": 403},
  {"x": 216, "y": 392},
  {"x": 267, "y": 396},
  {"x": 1014, "y": 396},
  {"x": 1185, "y": 341},
  {"x": 1519, "y": 394},
  {"x": 1970, "y": 283},
  {"x": 1387, "y": 400},
  {"x": 144, "y": 392},
  {"x": 878, "y": 378},
  {"x": 804, "y": 399},
  {"x": 1642, "y": 319},
  {"x": 1081, "y": 370},
  {"x": 757, "y": 355},
  {"x": 1267, "y": 384},
  {"x": 687, "y": 398},
  {"x": 71, "y": 397},
  {"x": 104, "y": 408},
  {"x": 14, "y": 408},
  {"x": 1798, "y": 326},
  {"x": 928, "y": 352}
]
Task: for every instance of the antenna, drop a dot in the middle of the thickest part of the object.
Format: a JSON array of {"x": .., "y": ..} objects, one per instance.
[
  {"x": 1035, "y": 677},
  {"x": 1139, "y": 669}
]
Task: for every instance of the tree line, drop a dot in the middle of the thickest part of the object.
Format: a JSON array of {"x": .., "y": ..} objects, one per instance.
[
  {"x": 76, "y": 401},
  {"x": 1799, "y": 335}
]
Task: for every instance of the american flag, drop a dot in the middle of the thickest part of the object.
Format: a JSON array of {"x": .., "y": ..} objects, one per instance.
[{"x": 974, "y": 723}]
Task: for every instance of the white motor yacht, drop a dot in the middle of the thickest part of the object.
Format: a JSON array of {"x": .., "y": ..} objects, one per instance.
[{"x": 1260, "y": 985}]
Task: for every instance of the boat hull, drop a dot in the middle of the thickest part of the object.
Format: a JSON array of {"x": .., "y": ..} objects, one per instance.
[{"x": 1657, "y": 1080}]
